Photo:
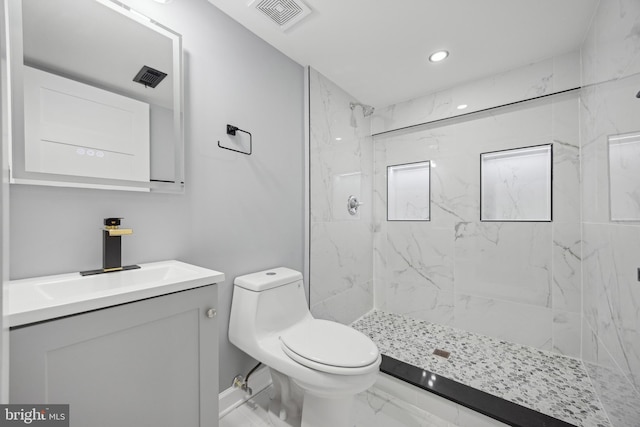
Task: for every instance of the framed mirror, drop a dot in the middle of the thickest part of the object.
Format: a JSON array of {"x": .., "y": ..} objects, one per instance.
[
  {"x": 95, "y": 96},
  {"x": 409, "y": 192},
  {"x": 515, "y": 184}
]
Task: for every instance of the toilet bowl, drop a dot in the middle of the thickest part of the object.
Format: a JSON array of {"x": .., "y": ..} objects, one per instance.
[{"x": 317, "y": 366}]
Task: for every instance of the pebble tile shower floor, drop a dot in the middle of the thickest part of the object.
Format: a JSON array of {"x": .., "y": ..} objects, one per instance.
[{"x": 543, "y": 381}]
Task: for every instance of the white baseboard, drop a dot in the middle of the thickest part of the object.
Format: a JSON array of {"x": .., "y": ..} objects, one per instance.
[{"x": 233, "y": 397}]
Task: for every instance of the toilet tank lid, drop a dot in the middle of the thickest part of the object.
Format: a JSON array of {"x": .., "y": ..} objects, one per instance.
[{"x": 268, "y": 279}]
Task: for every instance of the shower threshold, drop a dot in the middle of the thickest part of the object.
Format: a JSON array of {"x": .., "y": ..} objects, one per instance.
[{"x": 512, "y": 383}]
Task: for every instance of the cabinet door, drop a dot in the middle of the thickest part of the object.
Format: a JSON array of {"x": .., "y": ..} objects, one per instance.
[
  {"x": 75, "y": 129},
  {"x": 148, "y": 363}
]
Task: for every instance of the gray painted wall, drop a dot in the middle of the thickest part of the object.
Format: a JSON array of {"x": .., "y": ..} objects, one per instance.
[{"x": 239, "y": 214}]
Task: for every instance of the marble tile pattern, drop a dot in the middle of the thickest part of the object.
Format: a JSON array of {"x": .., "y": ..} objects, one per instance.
[
  {"x": 341, "y": 153},
  {"x": 619, "y": 398},
  {"x": 517, "y": 281},
  {"x": 611, "y": 49},
  {"x": 611, "y": 292},
  {"x": 541, "y": 78},
  {"x": 408, "y": 192},
  {"x": 516, "y": 184},
  {"x": 433, "y": 404},
  {"x": 612, "y": 296},
  {"x": 373, "y": 408},
  {"x": 546, "y": 382},
  {"x": 624, "y": 181}
]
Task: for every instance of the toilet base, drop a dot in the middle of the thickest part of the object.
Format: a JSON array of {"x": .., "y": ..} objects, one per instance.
[
  {"x": 295, "y": 407},
  {"x": 274, "y": 418},
  {"x": 286, "y": 403},
  {"x": 322, "y": 411}
]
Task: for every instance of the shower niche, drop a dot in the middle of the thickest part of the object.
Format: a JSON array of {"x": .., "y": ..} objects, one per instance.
[
  {"x": 409, "y": 192},
  {"x": 515, "y": 184},
  {"x": 624, "y": 180}
]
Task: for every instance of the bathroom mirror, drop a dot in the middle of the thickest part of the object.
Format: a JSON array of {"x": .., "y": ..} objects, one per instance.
[
  {"x": 515, "y": 184},
  {"x": 409, "y": 192},
  {"x": 78, "y": 118},
  {"x": 624, "y": 179}
]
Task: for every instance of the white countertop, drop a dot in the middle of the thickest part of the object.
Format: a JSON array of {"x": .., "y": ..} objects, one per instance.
[{"x": 44, "y": 298}]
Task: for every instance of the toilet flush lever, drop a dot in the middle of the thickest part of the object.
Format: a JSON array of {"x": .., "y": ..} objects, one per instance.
[
  {"x": 353, "y": 204},
  {"x": 211, "y": 313}
]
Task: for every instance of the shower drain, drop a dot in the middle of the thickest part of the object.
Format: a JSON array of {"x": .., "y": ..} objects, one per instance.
[{"x": 442, "y": 353}]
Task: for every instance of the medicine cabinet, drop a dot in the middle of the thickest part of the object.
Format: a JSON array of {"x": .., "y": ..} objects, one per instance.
[{"x": 78, "y": 118}]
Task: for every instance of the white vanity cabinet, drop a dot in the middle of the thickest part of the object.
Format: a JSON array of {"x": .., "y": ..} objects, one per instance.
[{"x": 152, "y": 362}]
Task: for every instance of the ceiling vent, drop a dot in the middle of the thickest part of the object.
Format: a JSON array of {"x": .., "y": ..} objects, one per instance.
[
  {"x": 149, "y": 77},
  {"x": 284, "y": 13}
]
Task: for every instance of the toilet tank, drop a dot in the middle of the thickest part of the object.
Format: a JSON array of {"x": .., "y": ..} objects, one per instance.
[{"x": 266, "y": 302}]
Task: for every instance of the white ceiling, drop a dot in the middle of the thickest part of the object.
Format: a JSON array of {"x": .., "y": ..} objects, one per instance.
[{"x": 377, "y": 50}]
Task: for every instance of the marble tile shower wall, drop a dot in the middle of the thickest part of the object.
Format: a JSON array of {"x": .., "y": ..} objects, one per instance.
[
  {"x": 341, "y": 153},
  {"x": 541, "y": 78},
  {"x": 515, "y": 281},
  {"x": 611, "y": 305}
]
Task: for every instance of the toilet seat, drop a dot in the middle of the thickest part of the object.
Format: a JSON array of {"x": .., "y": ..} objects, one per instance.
[{"x": 330, "y": 347}]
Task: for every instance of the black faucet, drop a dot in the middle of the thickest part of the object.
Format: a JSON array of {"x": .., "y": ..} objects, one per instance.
[
  {"x": 112, "y": 248},
  {"x": 112, "y": 245}
]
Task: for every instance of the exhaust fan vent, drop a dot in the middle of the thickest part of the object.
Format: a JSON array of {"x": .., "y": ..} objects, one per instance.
[
  {"x": 284, "y": 13},
  {"x": 149, "y": 77}
]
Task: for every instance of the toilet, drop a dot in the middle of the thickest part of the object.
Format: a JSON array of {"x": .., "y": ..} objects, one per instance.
[{"x": 317, "y": 366}]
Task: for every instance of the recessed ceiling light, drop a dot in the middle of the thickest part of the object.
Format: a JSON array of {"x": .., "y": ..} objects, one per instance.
[
  {"x": 438, "y": 56},
  {"x": 462, "y": 106},
  {"x": 338, "y": 139},
  {"x": 164, "y": 1}
]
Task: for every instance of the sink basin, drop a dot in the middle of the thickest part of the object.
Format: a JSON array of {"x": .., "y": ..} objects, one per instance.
[
  {"x": 79, "y": 285},
  {"x": 45, "y": 298}
]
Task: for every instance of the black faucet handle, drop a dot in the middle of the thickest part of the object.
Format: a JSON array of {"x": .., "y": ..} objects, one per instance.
[{"x": 112, "y": 222}]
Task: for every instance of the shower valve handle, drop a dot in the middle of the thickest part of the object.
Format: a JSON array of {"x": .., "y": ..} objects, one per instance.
[{"x": 353, "y": 204}]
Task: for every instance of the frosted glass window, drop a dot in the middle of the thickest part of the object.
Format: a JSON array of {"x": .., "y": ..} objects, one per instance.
[
  {"x": 408, "y": 192},
  {"x": 515, "y": 185},
  {"x": 624, "y": 177}
]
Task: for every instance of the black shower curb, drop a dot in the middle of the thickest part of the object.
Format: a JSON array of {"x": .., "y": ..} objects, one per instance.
[{"x": 494, "y": 407}]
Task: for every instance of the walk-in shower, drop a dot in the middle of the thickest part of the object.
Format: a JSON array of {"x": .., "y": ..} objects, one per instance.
[{"x": 533, "y": 285}]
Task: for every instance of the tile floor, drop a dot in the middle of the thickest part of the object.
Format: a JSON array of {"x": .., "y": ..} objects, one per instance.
[{"x": 373, "y": 408}]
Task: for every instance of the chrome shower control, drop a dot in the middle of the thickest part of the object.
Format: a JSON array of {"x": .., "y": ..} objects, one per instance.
[
  {"x": 353, "y": 204},
  {"x": 211, "y": 313}
]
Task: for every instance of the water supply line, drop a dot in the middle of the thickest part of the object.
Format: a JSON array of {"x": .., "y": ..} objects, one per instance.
[{"x": 243, "y": 382}]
